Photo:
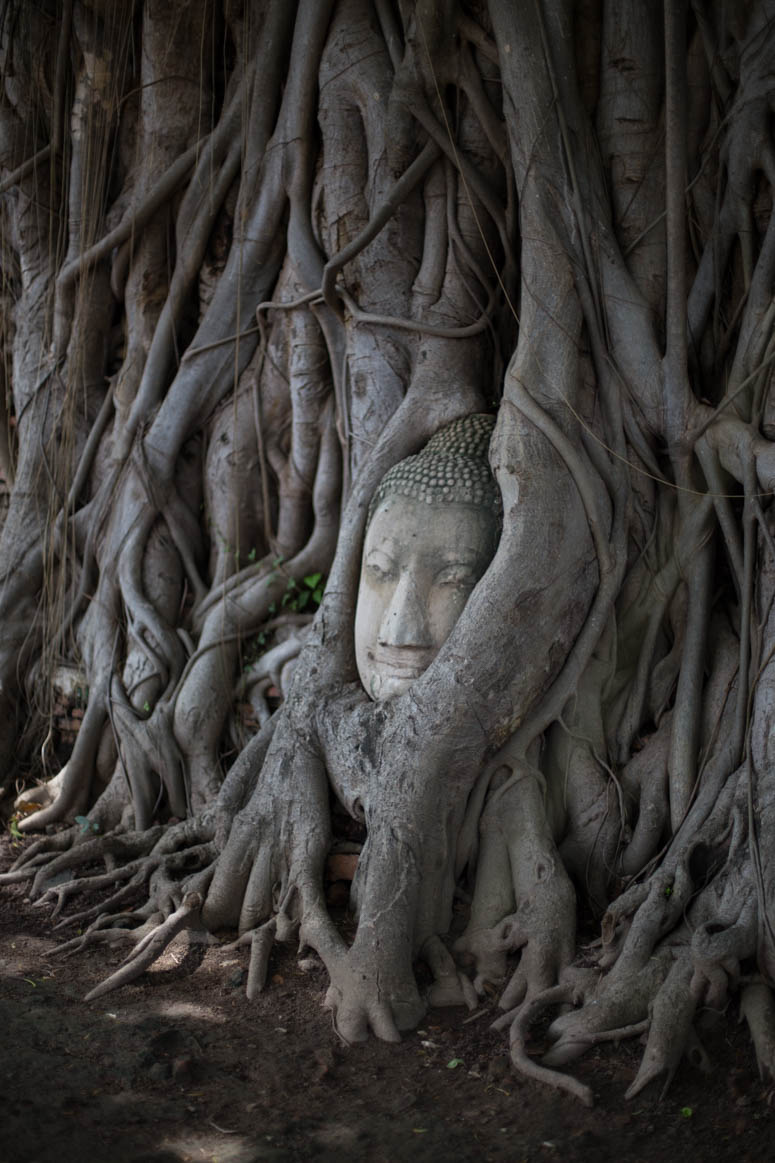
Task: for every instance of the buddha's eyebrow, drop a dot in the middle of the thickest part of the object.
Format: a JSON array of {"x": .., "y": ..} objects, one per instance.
[{"x": 384, "y": 551}]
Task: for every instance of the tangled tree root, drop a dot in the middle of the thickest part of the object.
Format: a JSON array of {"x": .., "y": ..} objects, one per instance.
[
  {"x": 152, "y": 945},
  {"x": 519, "y": 1025}
]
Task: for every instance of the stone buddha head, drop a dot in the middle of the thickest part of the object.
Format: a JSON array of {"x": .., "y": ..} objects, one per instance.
[{"x": 433, "y": 528}]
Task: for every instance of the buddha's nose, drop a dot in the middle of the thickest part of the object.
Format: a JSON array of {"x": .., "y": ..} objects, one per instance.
[{"x": 405, "y": 622}]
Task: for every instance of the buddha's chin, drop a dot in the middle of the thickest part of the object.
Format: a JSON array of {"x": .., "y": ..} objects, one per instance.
[
  {"x": 390, "y": 686},
  {"x": 388, "y": 682}
]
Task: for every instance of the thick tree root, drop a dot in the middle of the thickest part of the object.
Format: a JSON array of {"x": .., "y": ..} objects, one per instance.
[
  {"x": 261, "y": 941},
  {"x": 450, "y": 987},
  {"x": 619, "y": 1002},
  {"x": 757, "y": 1006},
  {"x": 260, "y": 947},
  {"x": 672, "y": 1014}
]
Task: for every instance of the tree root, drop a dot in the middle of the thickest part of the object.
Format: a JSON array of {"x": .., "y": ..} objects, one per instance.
[
  {"x": 60, "y": 894},
  {"x": 136, "y": 873},
  {"x": 261, "y": 941},
  {"x": 757, "y": 1006},
  {"x": 672, "y": 1014},
  {"x": 260, "y": 948},
  {"x": 151, "y": 946},
  {"x": 113, "y": 929},
  {"x": 450, "y": 987},
  {"x": 620, "y": 1001},
  {"x": 358, "y": 1007},
  {"x": 524, "y": 1064},
  {"x": 119, "y": 847}
]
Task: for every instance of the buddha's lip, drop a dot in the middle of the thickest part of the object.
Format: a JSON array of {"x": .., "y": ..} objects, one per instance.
[{"x": 403, "y": 661}]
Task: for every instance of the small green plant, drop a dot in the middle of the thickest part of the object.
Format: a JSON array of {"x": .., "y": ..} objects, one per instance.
[
  {"x": 86, "y": 824},
  {"x": 13, "y": 828},
  {"x": 307, "y": 595},
  {"x": 254, "y": 648}
]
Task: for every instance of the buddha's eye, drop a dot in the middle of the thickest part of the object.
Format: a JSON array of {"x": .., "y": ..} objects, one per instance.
[
  {"x": 458, "y": 575},
  {"x": 380, "y": 568}
]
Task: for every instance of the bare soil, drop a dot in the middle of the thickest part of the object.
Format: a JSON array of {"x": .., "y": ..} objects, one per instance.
[{"x": 181, "y": 1067}]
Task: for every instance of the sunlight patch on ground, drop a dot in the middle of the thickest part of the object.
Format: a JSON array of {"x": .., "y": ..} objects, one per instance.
[
  {"x": 191, "y": 1011},
  {"x": 200, "y": 1147}
]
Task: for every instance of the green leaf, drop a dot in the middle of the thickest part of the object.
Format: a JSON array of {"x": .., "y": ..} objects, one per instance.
[
  {"x": 454, "y": 1063},
  {"x": 146, "y": 707},
  {"x": 273, "y": 608},
  {"x": 687, "y": 1112},
  {"x": 317, "y": 596},
  {"x": 252, "y": 554},
  {"x": 312, "y": 580},
  {"x": 84, "y": 822},
  {"x": 304, "y": 597}
]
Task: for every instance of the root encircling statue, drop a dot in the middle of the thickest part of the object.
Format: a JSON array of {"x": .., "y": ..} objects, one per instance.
[{"x": 388, "y": 441}]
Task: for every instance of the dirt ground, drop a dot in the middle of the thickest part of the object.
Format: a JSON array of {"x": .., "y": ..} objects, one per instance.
[{"x": 181, "y": 1067}]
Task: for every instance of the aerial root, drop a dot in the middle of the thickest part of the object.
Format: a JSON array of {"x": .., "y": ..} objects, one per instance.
[
  {"x": 152, "y": 946},
  {"x": 557, "y": 995},
  {"x": 757, "y": 1006}
]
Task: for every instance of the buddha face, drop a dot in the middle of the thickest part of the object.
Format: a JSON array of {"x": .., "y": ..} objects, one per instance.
[{"x": 420, "y": 563}]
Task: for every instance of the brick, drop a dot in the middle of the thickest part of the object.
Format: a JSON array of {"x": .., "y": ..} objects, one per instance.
[{"x": 341, "y": 865}]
